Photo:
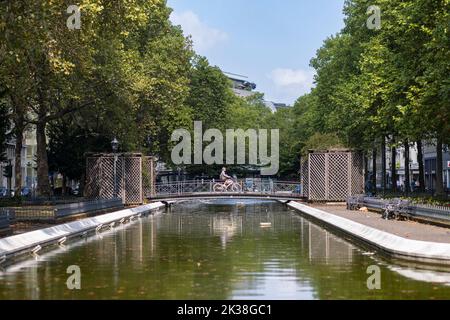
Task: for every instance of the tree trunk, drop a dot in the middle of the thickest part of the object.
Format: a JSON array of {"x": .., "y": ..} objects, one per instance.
[
  {"x": 42, "y": 161},
  {"x": 394, "y": 167},
  {"x": 374, "y": 171},
  {"x": 421, "y": 167},
  {"x": 18, "y": 162},
  {"x": 439, "y": 169},
  {"x": 383, "y": 164},
  {"x": 63, "y": 187},
  {"x": 366, "y": 168},
  {"x": 82, "y": 184},
  {"x": 407, "y": 178},
  {"x": 18, "y": 129}
]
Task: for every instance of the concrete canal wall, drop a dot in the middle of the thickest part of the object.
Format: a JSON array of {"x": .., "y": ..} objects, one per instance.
[
  {"x": 393, "y": 245},
  {"x": 34, "y": 241}
]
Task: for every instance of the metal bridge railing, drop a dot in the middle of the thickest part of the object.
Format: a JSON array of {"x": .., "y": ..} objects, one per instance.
[{"x": 282, "y": 188}]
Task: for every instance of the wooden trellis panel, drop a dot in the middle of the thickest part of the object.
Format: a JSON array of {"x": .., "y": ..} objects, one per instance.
[
  {"x": 304, "y": 179},
  {"x": 132, "y": 169},
  {"x": 93, "y": 183},
  {"x": 357, "y": 174},
  {"x": 122, "y": 176},
  {"x": 148, "y": 176},
  {"x": 332, "y": 176},
  {"x": 338, "y": 180},
  {"x": 317, "y": 176}
]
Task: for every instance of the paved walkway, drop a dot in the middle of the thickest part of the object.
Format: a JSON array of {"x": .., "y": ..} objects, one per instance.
[{"x": 406, "y": 229}]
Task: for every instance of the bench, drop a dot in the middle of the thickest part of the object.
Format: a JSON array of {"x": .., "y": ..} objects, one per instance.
[
  {"x": 355, "y": 202},
  {"x": 396, "y": 209}
]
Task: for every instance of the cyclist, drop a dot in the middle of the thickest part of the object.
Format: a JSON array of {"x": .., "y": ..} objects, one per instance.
[{"x": 224, "y": 177}]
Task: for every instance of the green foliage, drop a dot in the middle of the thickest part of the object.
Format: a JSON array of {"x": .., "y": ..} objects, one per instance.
[
  {"x": 69, "y": 139},
  {"x": 248, "y": 113},
  {"x": 322, "y": 141},
  {"x": 390, "y": 82},
  {"x": 372, "y": 84},
  {"x": 210, "y": 95},
  {"x": 210, "y": 99},
  {"x": 125, "y": 73},
  {"x": 130, "y": 73}
]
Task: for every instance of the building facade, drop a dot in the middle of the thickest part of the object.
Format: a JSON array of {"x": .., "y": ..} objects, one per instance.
[
  {"x": 28, "y": 163},
  {"x": 430, "y": 165},
  {"x": 244, "y": 89},
  {"x": 430, "y": 159}
]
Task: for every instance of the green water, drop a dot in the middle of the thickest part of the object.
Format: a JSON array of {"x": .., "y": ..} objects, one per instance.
[{"x": 218, "y": 251}]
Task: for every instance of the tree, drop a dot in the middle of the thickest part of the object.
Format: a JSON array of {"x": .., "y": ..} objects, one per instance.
[
  {"x": 5, "y": 125},
  {"x": 392, "y": 82},
  {"x": 322, "y": 141},
  {"x": 284, "y": 121},
  {"x": 160, "y": 81},
  {"x": 127, "y": 59},
  {"x": 210, "y": 98},
  {"x": 210, "y": 95}
]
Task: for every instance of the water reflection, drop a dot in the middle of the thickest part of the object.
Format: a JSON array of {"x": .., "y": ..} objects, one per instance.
[
  {"x": 226, "y": 227},
  {"x": 218, "y": 251}
]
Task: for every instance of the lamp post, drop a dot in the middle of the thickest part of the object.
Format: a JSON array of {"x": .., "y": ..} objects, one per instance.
[
  {"x": 8, "y": 174},
  {"x": 152, "y": 161},
  {"x": 115, "y": 147}
]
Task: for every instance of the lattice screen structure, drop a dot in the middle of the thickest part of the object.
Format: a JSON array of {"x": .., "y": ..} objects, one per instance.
[
  {"x": 304, "y": 177},
  {"x": 125, "y": 176},
  {"x": 149, "y": 177},
  {"x": 332, "y": 175}
]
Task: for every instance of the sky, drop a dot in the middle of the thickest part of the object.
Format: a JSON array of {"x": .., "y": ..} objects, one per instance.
[{"x": 269, "y": 41}]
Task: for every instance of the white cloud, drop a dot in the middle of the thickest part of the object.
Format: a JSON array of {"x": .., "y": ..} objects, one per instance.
[
  {"x": 294, "y": 80},
  {"x": 291, "y": 83},
  {"x": 204, "y": 37}
]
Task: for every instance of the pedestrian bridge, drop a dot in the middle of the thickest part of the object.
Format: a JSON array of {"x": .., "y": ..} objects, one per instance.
[{"x": 241, "y": 189}]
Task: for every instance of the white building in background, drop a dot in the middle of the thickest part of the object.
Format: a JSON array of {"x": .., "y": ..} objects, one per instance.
[
  {"x": 28, "y": 163},
  {"x": 244, "y": 89},
  {"x": 29, "y": 175},
  {"x": 399, "y": 164},
  {"x": 429, "y": 158},
  {"x": 240, "y": 85}
]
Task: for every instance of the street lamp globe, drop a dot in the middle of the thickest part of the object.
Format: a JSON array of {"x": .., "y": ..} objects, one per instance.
[{"x": 115, "y": 145}]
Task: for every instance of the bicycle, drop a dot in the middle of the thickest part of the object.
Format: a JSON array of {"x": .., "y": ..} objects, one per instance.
[{"x": 222, "y": 187}]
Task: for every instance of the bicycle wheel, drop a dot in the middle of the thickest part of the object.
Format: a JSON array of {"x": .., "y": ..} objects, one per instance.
[
  {"x": 218, "y": 187},
  {"x": 236, "y": 187}
]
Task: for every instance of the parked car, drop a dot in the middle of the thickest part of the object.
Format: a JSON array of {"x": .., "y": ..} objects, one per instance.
[
  {"x": 25, "y": 192},
  {"x": 4, "y": 192}
]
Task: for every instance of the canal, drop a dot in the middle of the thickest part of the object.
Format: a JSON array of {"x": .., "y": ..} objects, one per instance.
[{"x": 219, "y": 250}]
